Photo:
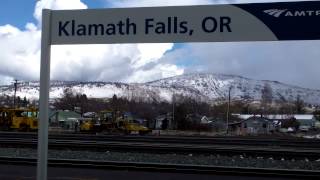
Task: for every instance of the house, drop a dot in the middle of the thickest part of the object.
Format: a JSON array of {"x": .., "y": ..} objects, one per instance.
[
  {"x": 159, "y": 121},
  {"x": 63, "y": 118},
  {"x": 254, "y": 125},
  {"x": 306, "y": 121}
]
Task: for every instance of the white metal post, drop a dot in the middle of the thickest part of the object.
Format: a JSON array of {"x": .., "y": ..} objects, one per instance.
[{"x": 44, "y": 95}]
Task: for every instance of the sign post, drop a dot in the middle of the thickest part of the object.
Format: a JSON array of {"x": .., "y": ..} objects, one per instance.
[
  {"x": 44, "y": 95},
  {"x": 208, "y": 23}
]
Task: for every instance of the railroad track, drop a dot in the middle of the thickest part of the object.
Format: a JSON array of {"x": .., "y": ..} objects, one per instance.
[
  {"x": 173, "y": 168},
  {"x": 276, "y": 148},
  {"x": 248, "y": 141}
]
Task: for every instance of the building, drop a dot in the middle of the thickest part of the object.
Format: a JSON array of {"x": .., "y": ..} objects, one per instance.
[
  {"x": 254, "y": 125},
  {"x": 158, "y": 122},
  {"x": 63, "y": 118},
  {"x": 306, "y": 121}
]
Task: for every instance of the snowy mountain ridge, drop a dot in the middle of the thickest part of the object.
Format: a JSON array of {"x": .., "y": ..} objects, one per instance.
[{"x": 202, "y": 87}]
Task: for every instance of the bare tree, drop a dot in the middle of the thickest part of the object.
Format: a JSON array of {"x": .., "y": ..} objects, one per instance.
[{"x": 71, "y": 99}]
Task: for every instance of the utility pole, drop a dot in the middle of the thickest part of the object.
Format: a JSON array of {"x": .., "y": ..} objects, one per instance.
[
  {"x": 228, "y": 110},
  {"x": 172, "y": 122},
  {"x": 15, "y": 92}
]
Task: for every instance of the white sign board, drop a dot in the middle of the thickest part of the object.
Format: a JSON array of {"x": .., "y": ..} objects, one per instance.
[
  {"x": 157, "y": 24},
  {"x": 210, "y": 23}
]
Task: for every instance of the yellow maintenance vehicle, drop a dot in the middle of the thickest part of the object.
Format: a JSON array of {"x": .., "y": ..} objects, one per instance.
[
  {"x": 107, "y": 120},
  {"x": 129, "y": 125},
  {"x": 113, "y": 122},
  {"x": 88, "y": 125},
  {"x": 22, "y": 119}
]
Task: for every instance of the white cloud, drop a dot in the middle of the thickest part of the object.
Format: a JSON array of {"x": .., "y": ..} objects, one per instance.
[
  {"x": 56, "y": 4},
  {"x": 151, "y": 53},
  {"x": 292, "y": 62},
  {"x": 20, "y": 57},
  {"x": 21, "y": 54},
  {"x": 108, "y": 62},
  {"x": 157, "y": 72}
]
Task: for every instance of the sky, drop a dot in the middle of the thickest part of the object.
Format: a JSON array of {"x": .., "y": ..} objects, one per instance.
[{"x": 294, "y": 62}]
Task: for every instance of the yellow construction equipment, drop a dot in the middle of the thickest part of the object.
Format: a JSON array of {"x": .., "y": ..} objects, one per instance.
[
  {"x": 131, "y": 126},
  {"x": 88, "y": 124},
  {"x": 118, "y": 122},
  {"x": 111, "y": 122},
  {"x": 22, "y": 119},
  {"x": 107, "y": 120}
]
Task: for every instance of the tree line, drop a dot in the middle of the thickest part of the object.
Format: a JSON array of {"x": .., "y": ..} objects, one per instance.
[{"x": 181, "y": 105}]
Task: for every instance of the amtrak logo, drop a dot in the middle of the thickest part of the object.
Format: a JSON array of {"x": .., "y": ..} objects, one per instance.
[
  {"x": 275, "y": 12},
  {"x": 285, "y": 12}
]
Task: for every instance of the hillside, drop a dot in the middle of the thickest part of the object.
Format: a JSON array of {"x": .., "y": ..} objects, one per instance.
[{"x": 203, "y": 87}]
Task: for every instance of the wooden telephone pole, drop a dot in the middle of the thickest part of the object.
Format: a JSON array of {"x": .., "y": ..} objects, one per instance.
[
  {"x": 15, "y": 92},
  {"x": 228, "y": 110}
]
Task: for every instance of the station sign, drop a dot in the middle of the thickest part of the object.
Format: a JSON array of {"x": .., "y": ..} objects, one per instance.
[{"x": 206, "y": 23}]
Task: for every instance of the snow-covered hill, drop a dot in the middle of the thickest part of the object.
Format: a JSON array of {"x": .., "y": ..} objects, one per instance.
[
  {"x": 203, "y": 87},
  {"x": 215, "y": 86}
]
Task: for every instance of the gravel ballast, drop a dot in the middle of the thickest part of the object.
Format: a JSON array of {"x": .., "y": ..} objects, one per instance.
[{"x": 170, "y": 158}]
